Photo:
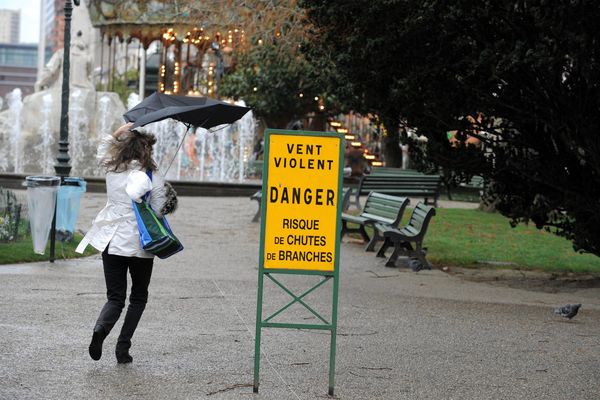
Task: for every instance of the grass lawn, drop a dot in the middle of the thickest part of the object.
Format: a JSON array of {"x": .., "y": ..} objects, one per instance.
[
  {"x": 472, "y": 238},
  {"x": 22, "y": 251},
  {"x": 468, "y": 237}
]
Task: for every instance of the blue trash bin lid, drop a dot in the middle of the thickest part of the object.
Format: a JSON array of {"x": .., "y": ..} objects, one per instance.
[{"x": 74, "y": 181}]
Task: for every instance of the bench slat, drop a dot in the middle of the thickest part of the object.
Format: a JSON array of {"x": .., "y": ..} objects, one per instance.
[
  {"x": 385, "y": 211},
  {"x": 379, "y": 208},
  {"x": 378, "y": 218},
  {"x": 400, "y": 184},
  {"x": 419, "y": 213},
  {"x": 356, "y": 219}
]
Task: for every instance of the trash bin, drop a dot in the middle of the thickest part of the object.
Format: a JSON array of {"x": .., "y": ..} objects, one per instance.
[
  {"x": 67, "y": 207},
  {"x": 41, "y": 200}
]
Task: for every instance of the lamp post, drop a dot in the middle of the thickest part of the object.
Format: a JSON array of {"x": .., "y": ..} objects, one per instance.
[{"x": 63, "y": 167}]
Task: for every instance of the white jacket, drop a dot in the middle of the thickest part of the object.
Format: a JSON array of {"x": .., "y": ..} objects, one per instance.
[{"x": 116, "y": 223}]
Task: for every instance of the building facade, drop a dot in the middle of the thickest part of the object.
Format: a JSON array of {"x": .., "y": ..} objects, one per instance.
[
  {"x": 18, "y": 68},
  {"x": 10, "y": 23},
  {"x": 53, "y": 25}
]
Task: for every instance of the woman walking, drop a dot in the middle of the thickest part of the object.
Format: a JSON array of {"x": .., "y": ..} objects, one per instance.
[{"x": 126, "y": 156}]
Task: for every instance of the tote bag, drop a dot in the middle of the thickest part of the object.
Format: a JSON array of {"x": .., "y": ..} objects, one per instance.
[{"x": 156, "y": 235}]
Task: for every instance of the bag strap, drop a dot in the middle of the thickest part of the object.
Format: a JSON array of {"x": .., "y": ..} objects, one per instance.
[{"x": 147, "y": 194}]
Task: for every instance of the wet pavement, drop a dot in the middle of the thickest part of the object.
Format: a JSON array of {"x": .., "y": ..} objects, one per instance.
[{"x": 401, "y": 335}]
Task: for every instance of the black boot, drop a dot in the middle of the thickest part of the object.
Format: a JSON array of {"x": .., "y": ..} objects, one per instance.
[
  {"x": 98, "y": 337},
  {"x": 122, "y": 353},
  {"x": 134, "y": 313}
]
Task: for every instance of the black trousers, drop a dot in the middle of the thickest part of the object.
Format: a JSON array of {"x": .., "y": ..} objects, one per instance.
[{"x": 115, "y": 275}]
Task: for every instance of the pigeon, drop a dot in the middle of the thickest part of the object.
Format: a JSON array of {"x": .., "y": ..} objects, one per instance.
[{"x": 567, "y": 311}]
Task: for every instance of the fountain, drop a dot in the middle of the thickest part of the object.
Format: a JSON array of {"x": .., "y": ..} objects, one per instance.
[
  {"x": 29, "y": 132},
  {"x": 216, "y": 155},
  {"x": 46, "y": 135},
  {"x": 29, "y": 129},
  {"x": 14, "y": 108}
]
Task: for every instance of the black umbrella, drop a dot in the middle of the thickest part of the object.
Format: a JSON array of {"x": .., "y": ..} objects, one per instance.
[
  {"x": 157, "y": 101},
  {"x": 206, "y": 116},
  {"x": 195, "y": 111}
]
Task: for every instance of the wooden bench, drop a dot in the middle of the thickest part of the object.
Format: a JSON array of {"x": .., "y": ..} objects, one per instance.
[
  {"x": 379, "y": 208},
  {"x": 403, "y": 239},
  {"x": 393, "y": 171},
  {"x": 404, "y": 185},
  {"x": 346, "y": 192}
]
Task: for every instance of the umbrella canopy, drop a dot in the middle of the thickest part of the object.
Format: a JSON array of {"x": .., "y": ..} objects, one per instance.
[
  {"x": 157, "y": 101},
  {"x": 207, "y": 115}
]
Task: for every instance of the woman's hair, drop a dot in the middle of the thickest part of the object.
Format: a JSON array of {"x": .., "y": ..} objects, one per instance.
[{"x": 131, "y": 146}]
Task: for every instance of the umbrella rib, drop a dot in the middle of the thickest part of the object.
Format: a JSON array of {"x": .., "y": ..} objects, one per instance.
[
  {"x": 177, "y": 151},
  {"x": 180, "y": 144}
]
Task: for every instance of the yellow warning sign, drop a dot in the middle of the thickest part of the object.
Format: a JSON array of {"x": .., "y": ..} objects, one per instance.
[{"x": 301, "y": 201}]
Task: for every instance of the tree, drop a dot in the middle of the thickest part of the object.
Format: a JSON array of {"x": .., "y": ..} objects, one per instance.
[
  {"x": 272, "y": 75},
  {"x": 351, "y": 42},
  {"x": 526, "y": 73},
  {"x": 276, "y": 84}
]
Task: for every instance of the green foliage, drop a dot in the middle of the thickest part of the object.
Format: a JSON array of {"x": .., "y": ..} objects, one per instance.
[
  {"x": 120, "y": 84},
  {"x": 270, "y": 80},
  {"x": 527, "y": 73},
  {"x": 12, "y": 224},
  {"x": 22, "y": 251}
]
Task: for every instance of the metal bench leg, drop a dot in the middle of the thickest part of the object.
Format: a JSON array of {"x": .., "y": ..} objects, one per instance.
[
  {"x": 386, "y": 244},
  {"x": 344, "y": 229},
  {"x": 364, "y": 233},
  {"x": 257, "y": 215},
  {"x": 419, "y": 253},
  {"x": 376, "y": 238},
  {"x": 391, "y": 262}
]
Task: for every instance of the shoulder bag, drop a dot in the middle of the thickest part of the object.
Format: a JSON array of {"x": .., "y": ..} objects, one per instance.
[{"x": 156, "y": 235}]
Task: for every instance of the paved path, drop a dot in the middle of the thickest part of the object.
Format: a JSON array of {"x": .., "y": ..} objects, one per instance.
[{"x": 402, "y": 335}]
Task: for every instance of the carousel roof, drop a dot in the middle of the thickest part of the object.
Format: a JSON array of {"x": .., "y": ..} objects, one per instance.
[{"x": 153, "y": 19}]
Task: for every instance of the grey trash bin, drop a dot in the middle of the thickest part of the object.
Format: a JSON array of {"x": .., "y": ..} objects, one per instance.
[{"x": 41, "y": 200}]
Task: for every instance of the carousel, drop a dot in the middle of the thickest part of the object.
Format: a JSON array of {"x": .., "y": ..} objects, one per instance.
[{"x": 182, "y": 47}]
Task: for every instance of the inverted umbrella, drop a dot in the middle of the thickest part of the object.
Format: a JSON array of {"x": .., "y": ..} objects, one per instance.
[
  {"x": 157, "y": 101},
  {"x": 206, "y": 116}
]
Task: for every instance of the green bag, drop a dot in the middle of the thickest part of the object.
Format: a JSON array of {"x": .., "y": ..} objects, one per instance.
[{"x": 156, "y": 235}]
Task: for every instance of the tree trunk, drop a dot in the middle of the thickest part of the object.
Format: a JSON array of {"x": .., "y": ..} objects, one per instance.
[
  {"x": 391, "y": 143},
  {"x": 278, "y": 122}
]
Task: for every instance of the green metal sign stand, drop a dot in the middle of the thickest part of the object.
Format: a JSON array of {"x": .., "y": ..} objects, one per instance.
[{"x": 273, "y": 273}]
